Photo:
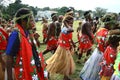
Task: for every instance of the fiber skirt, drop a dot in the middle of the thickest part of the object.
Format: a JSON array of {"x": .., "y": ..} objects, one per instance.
[{"x": 61, "y": 62}]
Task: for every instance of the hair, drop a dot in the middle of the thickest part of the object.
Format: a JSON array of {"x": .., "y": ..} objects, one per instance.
[
  {"x": 114, "y": 40},
  {"x": 20, "y": 13},
  {"x": 53, "y": 14},
  {"x": 86, "y": 29},
  {"x": 87, "y": 12},
  {"x": 67, "y": 18},
  {"x": 69, "y": 9}
]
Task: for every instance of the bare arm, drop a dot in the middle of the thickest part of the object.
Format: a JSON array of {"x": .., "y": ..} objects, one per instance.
[
  {"x": 116, "y": 31},
  {"x": 51, "y": 31},
  {"x": 9, "y": 64}
]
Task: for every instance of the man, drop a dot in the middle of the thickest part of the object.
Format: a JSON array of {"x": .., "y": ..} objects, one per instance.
[
  {"x": 21, "y": 50},
  {"x": 88, "y": 16},
  {"x": 70, "y": 11},
  {"x": 58, "y": 25},
  {"x": 51, "y": 35},
  {"x": 44, "y": 28}
]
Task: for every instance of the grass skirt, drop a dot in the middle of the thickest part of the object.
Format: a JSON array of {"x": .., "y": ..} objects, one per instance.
[
  {"x": 91, "y": 67},
  {"x": 61, "y": 62}
]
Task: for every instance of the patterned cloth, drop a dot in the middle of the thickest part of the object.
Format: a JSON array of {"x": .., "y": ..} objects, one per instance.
[
  {"x": 85, "y": 43},
  {"x": 3, "y": 40},
  {"x": 108, "y": 61},
  {"x": 101, "y": 38},
  {"x": 62, "y": 61},
  {"x": 24, "y": 64}
]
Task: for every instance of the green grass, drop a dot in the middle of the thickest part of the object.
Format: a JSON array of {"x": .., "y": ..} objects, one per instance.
[{"x": 74, "y": 76}]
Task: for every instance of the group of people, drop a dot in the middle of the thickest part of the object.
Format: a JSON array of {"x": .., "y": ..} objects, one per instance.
[
  {"x": 20, "y": 47},
  {"x": 101, "y": 63},
  {"x": 21, "y": 59}
]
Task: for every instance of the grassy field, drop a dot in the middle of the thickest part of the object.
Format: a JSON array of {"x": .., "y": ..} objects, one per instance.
[{"x": 74, "y": 76}]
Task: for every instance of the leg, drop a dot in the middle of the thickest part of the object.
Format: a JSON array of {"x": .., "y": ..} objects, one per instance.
[
  {"x": 53, "y": 51},
  {"x": 79, "y": 56},
  {"x": 88, "y": 52},
  {"x": 46, "y": 51},
  {"x": 2, "y": 63},
  {"x": 2, "y": 68},
  {"x": 66, "y": 78}
]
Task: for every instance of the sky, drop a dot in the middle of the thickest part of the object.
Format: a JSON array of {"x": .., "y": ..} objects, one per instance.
[{"x": 110, "y": 5}]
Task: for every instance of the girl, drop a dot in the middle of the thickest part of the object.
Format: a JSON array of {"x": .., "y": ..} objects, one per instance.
[
  {"x": 62, "y": 61},
  {"x": 85, "y": 40},
  {"x": 109, "y": 57}
]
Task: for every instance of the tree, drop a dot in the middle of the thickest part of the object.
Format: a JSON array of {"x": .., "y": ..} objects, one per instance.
[
  {"x": 100, "y": 11},
  {"x": 81, "y": 12},
  {"x": 10, "y": 10},
  {"x": 62, "y": 10},
  {"x": 33, "y": 9},
  {"x": 46, "y": 8}
]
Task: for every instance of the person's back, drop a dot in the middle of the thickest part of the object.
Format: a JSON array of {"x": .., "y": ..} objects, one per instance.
[
  {"x": 52, "y": 29},
  {"x": 51, "y": 35}
]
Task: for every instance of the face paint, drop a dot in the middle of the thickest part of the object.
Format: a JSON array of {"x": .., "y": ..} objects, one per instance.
[
  {"x": 30, "y": 22},
  {"x": 91, "y": 14}
]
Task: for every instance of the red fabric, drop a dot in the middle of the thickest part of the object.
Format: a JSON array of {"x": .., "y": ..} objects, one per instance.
[
  {"x": 110, "y": 55},
  {"x": 42, "y": 60},
  {"x": 85, "y": 43},
  {"x": 65, "y": 40},
  {"x": 4, "y": 33},
  {"x": 3, "y": 40},
  {"x": 119, "y": 67},
  {"x": 52, "y": 43},
  {"x": 107, "y": 71},
  {"x": 101, "y": 35},
  {"x": 25, "y": 70},
  {"x": 44, "y": 32}
]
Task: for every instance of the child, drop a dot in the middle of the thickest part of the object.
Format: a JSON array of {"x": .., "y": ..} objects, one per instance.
[
  {"x": 85, "y": 40},
  {"x": 109, "y": 57},
  {"x": 91, "y": 67},
  {"x": 62, "y": 61}
]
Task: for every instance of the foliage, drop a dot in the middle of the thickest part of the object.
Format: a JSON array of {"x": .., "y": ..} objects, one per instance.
[
  {"x": 46, "y": 8},
  {"x": 100, "y": 11},
  {"x": 10, "y": 10},
  {"x": 62, "y": 10}
]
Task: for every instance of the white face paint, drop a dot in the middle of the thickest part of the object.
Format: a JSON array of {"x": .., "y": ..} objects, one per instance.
[
  {"x": 91, "y": 14},
  {"x": 31, "y": 22}
]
